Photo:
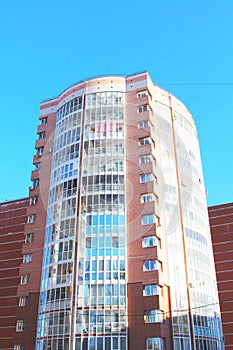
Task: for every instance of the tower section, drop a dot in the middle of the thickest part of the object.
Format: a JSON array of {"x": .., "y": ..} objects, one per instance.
[
  {"x": 101, "y": 268},
  {"x": 128, "y": 261},
  {"x": 83, "y": 288}
]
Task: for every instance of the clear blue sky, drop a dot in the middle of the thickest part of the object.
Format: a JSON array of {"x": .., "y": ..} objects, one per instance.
[{"x": 186, "y": 46}]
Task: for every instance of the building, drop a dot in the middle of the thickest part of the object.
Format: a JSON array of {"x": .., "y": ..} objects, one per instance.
[
  {"x": 12, "y": 222},
  {"x": 221, "y": 223},
  {"x": 118, "y": 206}
]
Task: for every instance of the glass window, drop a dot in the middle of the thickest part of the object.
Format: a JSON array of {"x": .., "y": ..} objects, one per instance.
[
  {"x": 34, "y": 200},
  {"x": 147, "y": 197},
  {"x": 146, "y": 177},
  {"x": 41, "y": 135},
  {"x": 155, "y": 344},
  {"x": 150, "y": 241},
  {"x": 36, "y": 183},
  {"x": 145, "y": 141},
  {"x": 37, "y": 166},
  {"x": 150, "y": 265},
  {"x": 151, "y": 289},
  {"x": 29, "y": 238},
  {"x": 31, "y": 219},
  {"x": 148, "y": 219},
  {"x": 20, "y": 325},
  {"x": 43, "y": 120},
  {"x": 146, "y": 158},
  {"x": 27, "y": 258},
  {"x": 18, "y": 347},
  {"x": 142, "y": 93},
  {"x": 143, "y": 124},
  {"x": 23, "y": 301},
  {"x": 25, "y": 279},
  {"x": 40, "y": 151},
  {"x": 142, "y": 109},
  {"x": 153, "y": 316}
]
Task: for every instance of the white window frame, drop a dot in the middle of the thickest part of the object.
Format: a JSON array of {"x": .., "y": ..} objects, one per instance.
[
  {"x": 142, "y": 93},
  {"x": 148, "y": 219},
  {"x": 34, "y": 199},
  {"x": 43, "y": 121},
  {"x": 143, "y": 141},
  {"x": 149, "y": 241},
  {"x": 37, "y": 166},
  {"x": 36, "y": 183},
  {"x": 155, "y": 343},
  {"x": 20, "y": 325},
  {"x": 151, "y": 265},
  {"x": 41, "y": 135},
  {"x": 145, "y": 158},
  {"x": 143, "y": 108},
  {"x": 27, "y": 258},
  {"x": 151, "y": 289},
  {"x": 31, "y": 219},
  {"x": 29, "y": 238},
  {"x": 25, "y": 279},
  {"x": 153, "y": 316},
  {"x": 143, "y": 124},
  {"x": 40, "y": 151},
  {"x": 23, "y": 301},
  {"x": 147, "y": 197},
  {"x": 18, "y": 347},
  {"x": 147, "y": 177}
]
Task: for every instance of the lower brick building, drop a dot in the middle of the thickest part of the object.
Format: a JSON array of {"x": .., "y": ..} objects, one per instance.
[
  {"x": 12, "y": 221},
  {"x": 221, "y": 223}
]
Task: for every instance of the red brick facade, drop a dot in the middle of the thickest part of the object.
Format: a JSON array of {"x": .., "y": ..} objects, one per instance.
[
  {"x": 12, "y": 221},
  {"x": 221, "y": 223}
]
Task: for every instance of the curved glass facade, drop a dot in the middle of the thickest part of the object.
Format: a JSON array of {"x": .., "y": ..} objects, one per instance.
[
  {"x": 101, "y": 277},
  {"x": 83, "y": 289},
  {"x": 58, "y": 275},
  {"x": 196, "y": 322}
]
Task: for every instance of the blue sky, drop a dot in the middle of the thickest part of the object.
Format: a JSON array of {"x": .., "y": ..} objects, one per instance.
[{"x": 186, "y": 46}]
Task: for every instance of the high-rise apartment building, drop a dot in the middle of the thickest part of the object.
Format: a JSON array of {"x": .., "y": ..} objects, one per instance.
[
  {"x": 118, "y": 221},
  {"x": 221, "y": 223}
]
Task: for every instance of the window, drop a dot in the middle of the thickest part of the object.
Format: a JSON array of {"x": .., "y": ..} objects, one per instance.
[
  {"x": 18, "y": 347},
  {"x": 151, "y": 265},
  {"x": 41, "y": 135},
  {"x": 43, "y": 120},
  {"x": 151, "y": 289},
  {"x": 36, "y": 183},
  {"x": 29, "y": 238},
  {"x": 153, "y": 316},
  {"x": 37, "y": 166},
  {"x": 142, "y": 109},
  {"x": 155, "y": 344},
  {"x": 145, "y": 141},
  {"x": 146, "y": 158},
  {"x": 143, "y": 124},
  {"x": 146, "y": 178},
  {"x": 142, "y": 93},
  {"x": 40, "y": 151},
  {"x": 150, "y": 241},
  {"x": 147, "y": 197},
  {"x": 148, "y": 219},
  {"x": 20, "y": 325},
  {"x": 25, "y": 279},
  {"x": 27, "y": 258},
  {"x": 34, "y": 200},
  {"x": 23, "y": 301},
  {"x": 31, "y": 219}
]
